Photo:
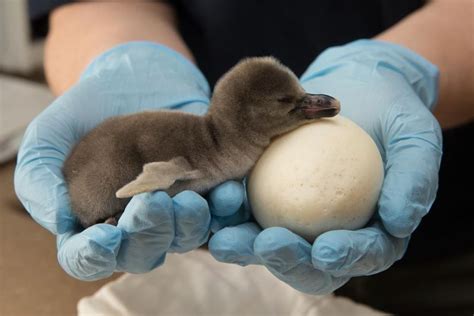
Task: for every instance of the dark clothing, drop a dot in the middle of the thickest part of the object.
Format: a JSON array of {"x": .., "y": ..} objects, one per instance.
[
  {"x": 436, "y": 275},
  {"x": 220, "y": 33}
]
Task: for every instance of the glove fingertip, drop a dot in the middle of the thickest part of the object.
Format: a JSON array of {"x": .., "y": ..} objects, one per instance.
[
  {"x": 191, "y": 199},
  {"x": 398, "y": 223},
  {"x": 91, "y": 254},
  {"x": 221, "y": 247},
  {"x": 280, "y": 249},
  {"x": 274, "y": 238},
  {"x": 156, "y": 200},
  {"x": 145, "y": 210},
  {"x": 328, "y": 252},
  {"x": 192, "y": 221},
  {"x": 357, "y": 252},
  {"x": 401, "y": 231},
  {"x": 235, "y": 244},
  {"x": 270, "y": 240},
  {"x": 226, "y": 198},
  {"x": 192, "y": 209},
  {"x": 108, "y": 236}
]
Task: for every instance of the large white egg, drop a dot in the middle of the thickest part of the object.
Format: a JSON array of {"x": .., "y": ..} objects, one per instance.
[{"x": 322, "y": 176}]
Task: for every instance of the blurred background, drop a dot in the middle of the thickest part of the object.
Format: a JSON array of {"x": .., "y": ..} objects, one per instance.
[
  {"x": 31, "y": 281},
  {"x": 23, "y": 91}
]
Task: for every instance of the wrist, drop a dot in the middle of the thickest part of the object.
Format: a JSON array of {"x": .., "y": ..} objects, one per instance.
[
  {"x": 134, "y": 65},
  {"x": 141, "y": 52},
  {"x": 418, "y": 72}
]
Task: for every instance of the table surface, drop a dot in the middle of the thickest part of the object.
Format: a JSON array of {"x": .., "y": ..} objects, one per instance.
[{"x": 31, "y": 280}]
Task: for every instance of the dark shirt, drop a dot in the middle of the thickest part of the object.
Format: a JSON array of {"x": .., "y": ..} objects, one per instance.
[{"x": 220, "y": 33}]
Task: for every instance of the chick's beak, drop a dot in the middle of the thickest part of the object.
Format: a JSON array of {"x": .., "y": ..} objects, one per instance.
[{"x": 318, "y": 105}]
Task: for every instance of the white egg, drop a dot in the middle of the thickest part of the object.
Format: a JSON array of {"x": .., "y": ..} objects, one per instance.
[{"x": 322, "y": 176}]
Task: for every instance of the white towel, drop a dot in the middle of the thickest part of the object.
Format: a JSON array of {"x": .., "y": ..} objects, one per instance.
[
  {"x": 196, "y": 284},
  {"x": 20, "y": 101}
]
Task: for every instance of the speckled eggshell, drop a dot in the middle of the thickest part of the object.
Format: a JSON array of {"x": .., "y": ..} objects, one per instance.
[{"x": 322, "y": 176}]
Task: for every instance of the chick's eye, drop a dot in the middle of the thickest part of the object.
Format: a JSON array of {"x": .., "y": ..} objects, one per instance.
[{"x": 286, "y": 99}]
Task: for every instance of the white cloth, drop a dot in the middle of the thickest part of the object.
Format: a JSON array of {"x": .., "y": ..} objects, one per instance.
[
  {"x": 20, "y": 101},
  {"x": 196, "y": 284}
]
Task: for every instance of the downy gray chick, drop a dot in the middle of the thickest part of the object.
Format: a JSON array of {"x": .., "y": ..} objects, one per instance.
[{"x": 256, "y": 100}]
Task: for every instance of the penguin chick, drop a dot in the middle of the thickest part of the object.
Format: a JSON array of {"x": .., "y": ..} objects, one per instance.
[{"x": 255, "y": 101}]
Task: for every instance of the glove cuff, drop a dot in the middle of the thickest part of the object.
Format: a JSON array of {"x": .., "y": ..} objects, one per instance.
[
  {"x": 143, "y": 63},
  {"x": 421, "y": 74}
]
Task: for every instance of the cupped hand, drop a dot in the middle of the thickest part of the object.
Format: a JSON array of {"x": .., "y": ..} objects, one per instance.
[
  {"x": 131, "y": 77},
  {"x": 389, "y": 92}
]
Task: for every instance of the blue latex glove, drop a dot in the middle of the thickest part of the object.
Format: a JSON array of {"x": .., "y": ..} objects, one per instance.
[
  {"x": 129, "y": 78},
  {"x": 388, "y": 91}
]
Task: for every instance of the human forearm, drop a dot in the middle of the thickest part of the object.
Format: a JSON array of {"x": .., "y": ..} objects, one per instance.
[
  {"x": 442, "y": 32},
  {"x": 81, "y": 31}
]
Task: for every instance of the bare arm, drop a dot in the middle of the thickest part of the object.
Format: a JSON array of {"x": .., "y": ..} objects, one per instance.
[
  {"x": 81, "y": 31},
  {"x": 442, "y": 32}
]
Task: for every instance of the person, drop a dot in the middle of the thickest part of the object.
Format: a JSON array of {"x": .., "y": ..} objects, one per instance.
[{"x": 391, "y": 63}]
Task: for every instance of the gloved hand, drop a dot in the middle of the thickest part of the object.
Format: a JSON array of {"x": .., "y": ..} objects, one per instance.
[
  {"x": 132, "y": 77},
  {"x": 388, "y": 91}
]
